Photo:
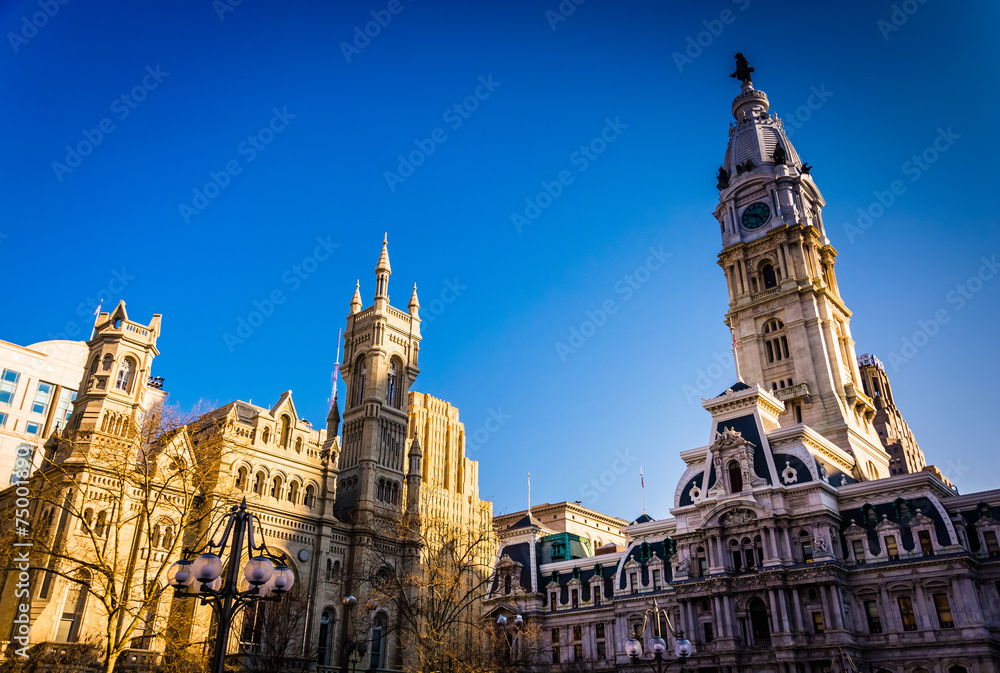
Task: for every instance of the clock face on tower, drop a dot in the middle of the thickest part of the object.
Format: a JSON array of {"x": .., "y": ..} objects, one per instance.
[{"x": 756, "y": 215}]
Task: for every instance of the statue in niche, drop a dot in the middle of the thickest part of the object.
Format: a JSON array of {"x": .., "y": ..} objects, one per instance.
[
  {"x": 683, "y": 566},
  {"x": 823, "y": 474},
  {"x": 720, "y": 483},
  {"x": 779, "y": 155}
]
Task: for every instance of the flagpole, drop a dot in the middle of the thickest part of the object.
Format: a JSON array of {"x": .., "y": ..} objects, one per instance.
[
  {"x": 736, "y": 360},
  {"x": 642, "y": 484},
  {"x": 529, "y": 494},
  {"x": 97, "y": 313}
]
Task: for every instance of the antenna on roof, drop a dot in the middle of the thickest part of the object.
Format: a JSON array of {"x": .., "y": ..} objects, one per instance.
[{"x": 336, "y": 369}]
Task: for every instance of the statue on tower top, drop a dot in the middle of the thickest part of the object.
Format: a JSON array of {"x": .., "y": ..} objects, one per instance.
[{"x": 743, "y": 69}]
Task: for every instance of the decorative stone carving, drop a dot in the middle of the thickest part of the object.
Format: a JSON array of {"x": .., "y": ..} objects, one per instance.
[
  {"x": 789, "y": 475},
  {"x": 823, "y": 474},
  {"x": 738, "y": 517}
]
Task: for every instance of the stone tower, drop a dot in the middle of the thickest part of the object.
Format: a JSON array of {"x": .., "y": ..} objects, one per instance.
[
  {"x": 790, "y": 325},
  {"x": 381, "y": 347},
  {"x": 116, "y": 390},
  {"x": 905, "y": 455}
]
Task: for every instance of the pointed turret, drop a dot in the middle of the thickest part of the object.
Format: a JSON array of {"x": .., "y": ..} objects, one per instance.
[
  {"x": 414, "y": 305},
  {"x": 333, "y": 419},
  {"x": 383, "y": 271},
  {"x": 356, "y": 299},
  {"x": 413, "y": 477}
]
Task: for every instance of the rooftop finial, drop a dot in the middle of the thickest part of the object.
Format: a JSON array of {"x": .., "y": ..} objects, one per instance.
[
  {"x": 743, "y": 69},
  {"x": 356, "y": 299}
]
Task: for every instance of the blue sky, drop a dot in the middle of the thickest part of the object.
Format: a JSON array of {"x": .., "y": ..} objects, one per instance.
[{"x": 299, "y": 132}]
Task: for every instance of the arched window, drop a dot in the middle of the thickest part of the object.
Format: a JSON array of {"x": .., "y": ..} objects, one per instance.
[
  {"x": 768, "y": 276},
  {"x": 258, "y": 483},
  {"x": 395, "y": 492},
  {"x": 266, "y": 435},
  {"x": 241, "y": 479},
  {"x": 378, "y": 642},
  {"x": 390, "y": 385},
  {"x": 293, "y": 493},
  {"x": 759, "y": 546},
  {"x": 360, "y": 373},
  {"x": 102, "y": 524},
  {"x": 336, "y": 571},
  {"x": 155, "y": 537},
  {"x": 759, "y": 624},
  {"x": 147, "y": 630},
  {"x": 74, "y": 606},
  {"x": 329, "y": 570},
  {"x": 285, "y": 430},
  {"x": 107, "y": 362},
  {"x": 326, "y": 632},
  {"x": 381, "y": 489},
  {"x": 298, "y": 445},
  {"x": 168, "y": 537},
  {"x": 124, "y": 371},
  {"x": 872, "y": 470},
  {"x": 506, "y": 584},
  {"x": 309, "y": 496},
  {"x": 775, "y": 341},
  {"x": 735, "y": 477},
  {"x": 88, "y": 517},
  {"x": 276, "y": 488}
]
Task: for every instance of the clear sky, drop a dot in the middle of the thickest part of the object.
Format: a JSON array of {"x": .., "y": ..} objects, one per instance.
[{"x": 157, "y": 100}]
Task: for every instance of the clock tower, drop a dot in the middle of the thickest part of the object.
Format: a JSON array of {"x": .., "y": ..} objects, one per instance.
[{"x": 790, "y": 325}]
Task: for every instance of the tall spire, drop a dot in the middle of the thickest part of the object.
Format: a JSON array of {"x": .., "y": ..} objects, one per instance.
[{"x": 383, "y": 270}]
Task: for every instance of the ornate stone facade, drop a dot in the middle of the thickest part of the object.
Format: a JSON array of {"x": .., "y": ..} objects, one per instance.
[
  {"x": 791, "y": 546},
  {"x": 323, "y": 500}
]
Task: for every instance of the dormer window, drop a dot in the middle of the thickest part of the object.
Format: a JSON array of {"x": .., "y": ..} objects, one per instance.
[
  {"x": 735, "y": 476},
  {"x": 285, "y": 430}
]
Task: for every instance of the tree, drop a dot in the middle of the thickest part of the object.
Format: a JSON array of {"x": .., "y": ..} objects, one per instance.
[
  {"x": 436, "y": 599},
  {"x": 111, "y": 511},
  {"x": 271, "y": 636}
]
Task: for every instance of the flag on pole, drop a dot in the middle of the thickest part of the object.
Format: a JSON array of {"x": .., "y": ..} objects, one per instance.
[{"x": 97, "y": 311}]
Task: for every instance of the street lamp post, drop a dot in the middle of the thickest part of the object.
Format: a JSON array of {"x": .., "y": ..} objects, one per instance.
[
  {"x": 518, "y": 627},
  {"x": 682, "y": 648},
  {"x": 266, "y": 573},
  {"x": 356, "y": 649}
]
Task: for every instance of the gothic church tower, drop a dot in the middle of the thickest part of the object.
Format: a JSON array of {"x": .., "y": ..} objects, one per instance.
[
  {"x": 790, "y": 325},
  {"x": 381, "y": 347}
]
